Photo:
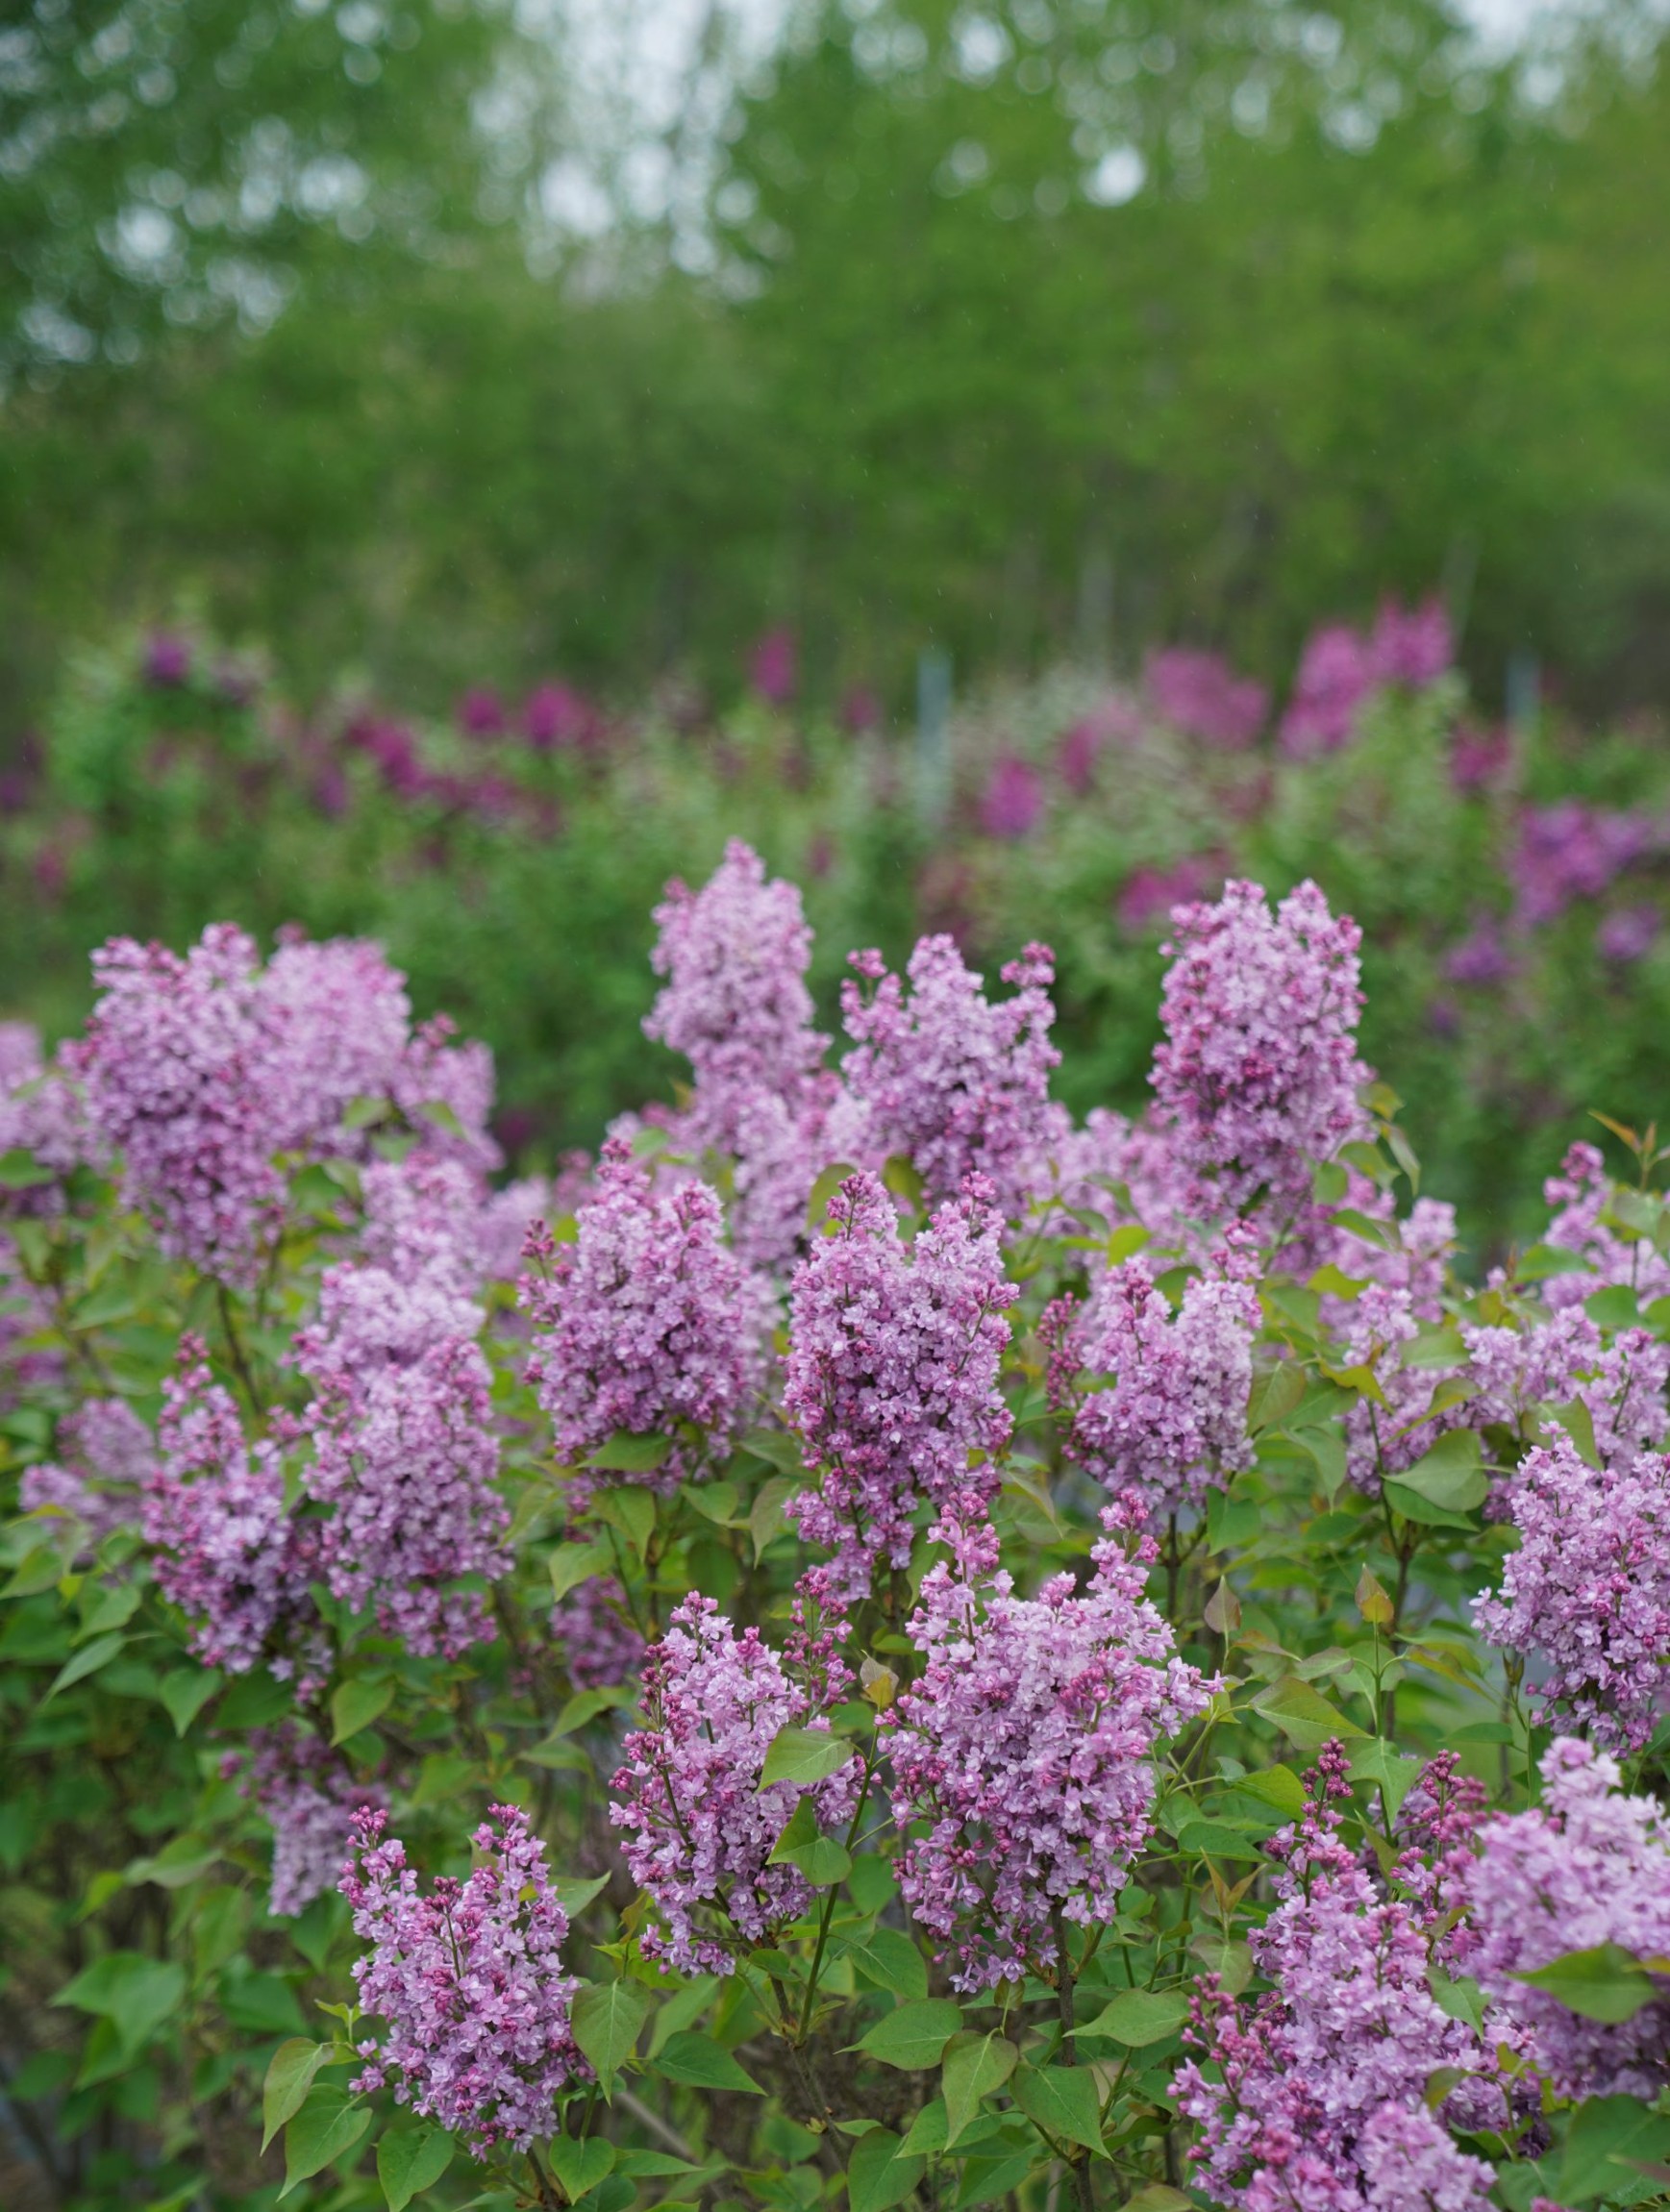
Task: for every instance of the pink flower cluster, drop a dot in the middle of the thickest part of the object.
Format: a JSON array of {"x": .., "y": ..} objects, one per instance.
[
  {"x": 469, "y": 1982},
  {"x": 698, "y": 1829},
  {"x": 201, "y": 1071},
  {"x": 958, "y": 1085},
  {"x": 1580, "y": 1197},
  {"x": 646, "y": 1323},
  {"x": 599, "y": 1644},
  {"x": 1258, "y": 1074},
  {"x": 1026, "y": 1748},
  {"x": 1172, "y": 1422},
  {"x": 110, "y": 1456},
  {"x": 1320, "y": 2087},
  {"x": 891, "y": 1377},
  {"x": 1571, "y": 851},
  {"x": 1586, "y": 1596},
  {"x": 1590, "y": 1868}
]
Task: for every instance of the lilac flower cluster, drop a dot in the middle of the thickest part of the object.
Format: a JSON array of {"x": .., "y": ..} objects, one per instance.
[
  {"x": 698, "y": 1829},
  {"x": 1320, "y": 2095},
  {"x": 1012, "y": 800},
  {"x": 1588, "y": 1867},
  {"x": 891, "y": 1377},
  {"x": 110, "y": 1456},
  {"x": 1580, "y": 1196},
  {"x": 1388, "y": 1435},
  {"x": 1173, "y": 1421},
  {"x": 1200, "y": 694},
  {"x": 1026, "y": 1748},
  {"x": 735, "y": 1003},
  {"x": 1586, "y": 1596},
  {"x": 646, "y": 1323},
  {"x": 469, "y": 1982},
  {"x": 228, "y": 1552},
  {"x": 599, "y": 1644},
  {"x": 307, "y": 1795},
  {"x": 958, "y": 1085},
  {"x": 201, "y": 1071},
  {"x": 1258, "y": 1074}
]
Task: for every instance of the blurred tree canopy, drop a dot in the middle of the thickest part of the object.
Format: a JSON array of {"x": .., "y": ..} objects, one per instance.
[{"x": 1033, "y": 326}]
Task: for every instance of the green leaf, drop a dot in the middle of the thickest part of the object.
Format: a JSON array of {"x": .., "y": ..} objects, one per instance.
[
  {"x": 1604, "y": 1983},
  {"x": 1278, "y": 1787},
  {"x": 364, "y": 1112},
  {"x": 630, "y": 1509},
  {"x": 606, "y": 2020},
  {"x": 1421, "y": 1510},
  {"x": 574, "y": 1563},
  {"x": 1614, "y": 1307},
  {"x": 585, "y": 1706},
  {"x": 1277, "y": 1395},
  {"x": 1374, "y": 1761},
  {"x": 629, "y": 1453},
  {"x": 976, "y": 2064},
  {"x": 913, "y": 2036},
  {"x": 926, "y": 2133},
  {"x": 581, "y": 2166},
  {"x": 354, "y": 1705},
  {"x": 1062, "y": 2101},
  {"x": 1365, "y": 1227},
  {"x": 1137, "y": 2017},
  {"x": 1611, "y": 2138},
  {"x": 178, "y": 1864},
  {"x": 86, "y": 1661},
  {"x": 411, "y": 2160},
  {"x": 328, "y": 2125},
  {"x": 1159, "y": 2197},
  {"x": 766, "y": 1518},
  {"x": 892, "y": 1962},
  {"x": 1543, "y": 1260},
  {"x": 289, "y": 2075},
  {"x": 716, "y": 1501},
  {"x": 1327, "y": 1450},
  {"x": 1450, "y": 1475},
  {"x": 696, "y": 2060},
  {"x": 803, "y": 1755},
  {"x": 185, "y": 1692},
  {"x": 1206, "y": 1838},
  {"x": 133, "y": 1992},
  {"x": 802, "y": 1844},
  {"x": 573, "y": 1893},
  {"x": 21, "y": 1170},
  {"x": 824, "y": 1190},
  {"x": 879, "y": 2173},
  {"x": 1302, "y": 1715}
]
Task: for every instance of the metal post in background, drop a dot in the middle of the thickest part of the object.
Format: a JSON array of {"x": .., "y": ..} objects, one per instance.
[
  {"x": 1524, "y": 689},
  {"x": 934, "y": 738}
]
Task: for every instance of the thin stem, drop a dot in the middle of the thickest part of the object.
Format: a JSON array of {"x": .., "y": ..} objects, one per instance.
[
  {"x": 1081, "y": 2181},
  {"x": 235, "y": 1345}
]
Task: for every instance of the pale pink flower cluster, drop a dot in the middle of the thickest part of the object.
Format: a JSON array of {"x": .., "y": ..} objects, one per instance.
[
  {"x": 598, "y": 1643},
  {"x": 1258, "y": 1074},
  {"x": 1586, "y": 1596},
  {"x": 1319, "y": 2098},
  {"x": 891, "y": 1376},
  {"x": 1170, "y": 1422},
  {"x": 958, "y": 1085},
  {"x": 1590, "y": 1868},
  {"x": 1579, "y": 1196},
  {"x": 469, "y": 1983},
  {"x": 201, "y": 1071},
  {"x": 647, "y": 1322},
  {"x": 1025, "y": 1749},
  {"x": 698, "y": 1831}
]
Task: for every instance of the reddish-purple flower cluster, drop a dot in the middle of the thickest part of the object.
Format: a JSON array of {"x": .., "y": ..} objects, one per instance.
[
  {"x": 1339, "y": 669},
  {"x": 1200, "y": 694},
  {"x": 469, "y": 1983},
  {"x": 891, "y": 1377}
]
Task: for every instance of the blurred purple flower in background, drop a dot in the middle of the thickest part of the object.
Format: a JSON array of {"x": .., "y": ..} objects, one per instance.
[
  {"x": 1200, "y": 694},
  {"x": 1570, "y": 851},
  {"x": 1014, "y": 798},
  {"x": 1478, "y": 757},
  {"x": 557, "y": 718},
  {"x": 771, "y": 667},
  {"x": 481, "y": 713},
  {"x": 1412, "y": 646},
  {"x": 861, "y": 710},
  {"x": 1629, "y": 933},
  {"x": 167, "y": 661},
  {"x": 1482, "y": 957},
  {"x": 1149, "y": 894},
  {"x": 1336, "y": 675}
]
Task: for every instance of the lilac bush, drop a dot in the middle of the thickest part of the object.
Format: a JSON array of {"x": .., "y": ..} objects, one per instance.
[{"x": 879, "y": 1637}]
